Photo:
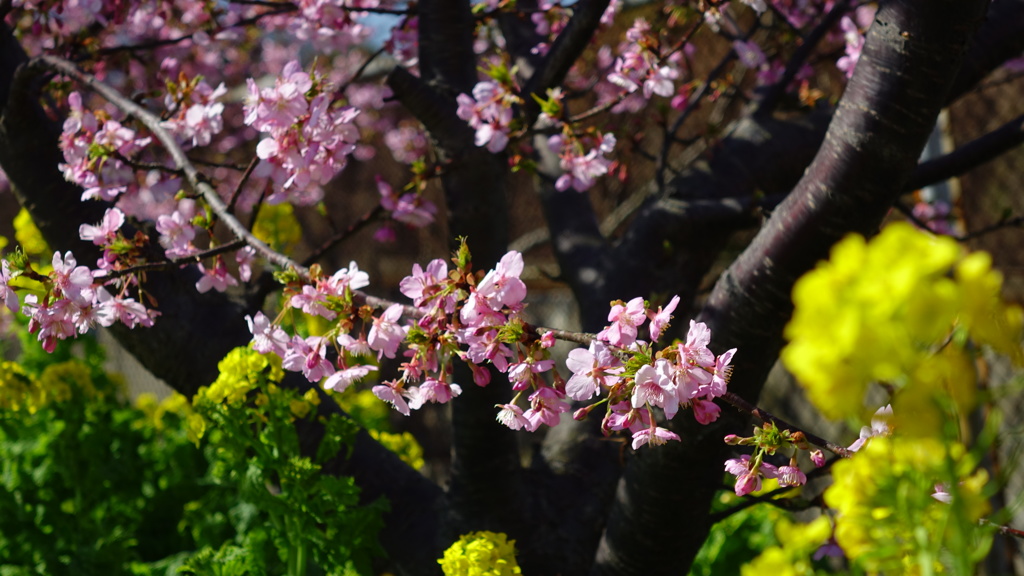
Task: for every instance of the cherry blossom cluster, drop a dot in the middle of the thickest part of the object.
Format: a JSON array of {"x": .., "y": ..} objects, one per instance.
[
  {"x": 198, "y": 113},
  {"x": 308, "y": 136},
  {"x": 71, "y": 302},
  {"x": 853, "y": 34},
  {"x": 476, "y": 319},
  {"x": 97, "y": 150},
  {"x": 768, "y": 439},
  {"x": 331, "y": 24},
  {"x": 639, "y": 66},
  {"x": 66, "y": 17},
  {"x": 582, "y": 167},
  {"x": 489, "y": 112},
  {"x": 409, "y": 208}
]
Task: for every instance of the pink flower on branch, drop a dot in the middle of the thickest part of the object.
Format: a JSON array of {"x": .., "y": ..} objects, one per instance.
[
  {"x": 386, "y": 335},
  {"x": 654, "y": 436},
  {"x": 625, "y": 319}
]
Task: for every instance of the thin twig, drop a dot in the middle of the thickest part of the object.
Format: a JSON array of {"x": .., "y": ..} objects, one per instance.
[
  {"x": 776, "y": 91},
  {"x": 176, "y": 262},
  {"x": 192, "y": 176},
  {"x": 342, "y": 235},
  {"x": 763, "y": 415}
]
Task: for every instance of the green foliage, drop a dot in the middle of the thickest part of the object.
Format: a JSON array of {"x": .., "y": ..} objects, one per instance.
[
  {"x": 92, "y": 485},
  {"x": 736, "y": 540},
  {"x": 89, "y": 485}
]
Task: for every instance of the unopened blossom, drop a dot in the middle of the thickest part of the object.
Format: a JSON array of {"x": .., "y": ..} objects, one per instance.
[
  {"x": 386, "y": 335},
  {"x": 818, "y": 458},
  {"x": 705, "y": 411}
]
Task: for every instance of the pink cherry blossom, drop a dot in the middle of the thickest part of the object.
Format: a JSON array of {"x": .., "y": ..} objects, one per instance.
[
  {"x": 422, "y": 284},
  {"x": 502, "y": 286},
  {"x": 7, "y": 293},
  {"x": 661, "y": 319},
  {"x": 308, "y": 356},
  {"x": 393, "y": 393},
  {"x": 791, "y": 476},
  {"x": 512, "y": 416},
  {"x": 386, "y": 335},
  {"x": 625, "y": 319},
  {"x": 705, "y": 411},
  {"x": 343, "y": 378},
  {"x": 312, "y": 301},
  {"x": 104, "y": 232},
  {"x": 592, "y": 369},
  {"x": 438, "y": 391},
  {"x": 267, "y": 337},
  {"x": 218, "y": 278},
  {"x": 546, "y": 404},
  {"x": 879, "y": 427},
  {"x": 654, "y": 386},
  {"x": 653, "y": 436},
  {"x": 70, "y": 280}
]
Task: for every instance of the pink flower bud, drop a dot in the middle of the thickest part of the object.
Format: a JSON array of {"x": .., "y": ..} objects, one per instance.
[{"x": 818, "y": 457}]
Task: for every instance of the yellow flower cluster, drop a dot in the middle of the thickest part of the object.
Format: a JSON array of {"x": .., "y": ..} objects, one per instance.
[
  {"x": 241, "y": 371},
  {"x": 481, "y": 554},
  {"x": 58, "y": 383},
  {"x": 30, "y": 238},
  {"x": 155, "y": 410},
  {"x": 880, "y": 311},
  {"x": 404, "y": 445},
  {"x": 887, "y": 516},
  {"x": 797, "y": 543}
]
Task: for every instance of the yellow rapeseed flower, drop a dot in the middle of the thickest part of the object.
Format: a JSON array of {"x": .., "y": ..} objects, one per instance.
[{"x": 481, "y": 554}]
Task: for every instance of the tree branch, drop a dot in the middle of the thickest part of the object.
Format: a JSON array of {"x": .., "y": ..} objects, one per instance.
[
  {"x": 884, "y": 118},
  {"x": 564, "y": 52},
  {"x": 969, "y": 156}
]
